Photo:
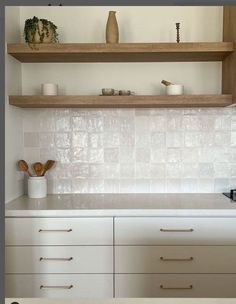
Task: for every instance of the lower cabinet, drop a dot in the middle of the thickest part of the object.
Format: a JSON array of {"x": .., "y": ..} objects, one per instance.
[
  {"x": 175, "y": 285},
  {"x": 63, "y": 259},
  {"x": 59, "y": 286},
  {"x": 170, "y": 257},
  {"x": 130, "y": 257},
  {"x": 59, "y": 258},
  {"x": 175, "y": 259}
]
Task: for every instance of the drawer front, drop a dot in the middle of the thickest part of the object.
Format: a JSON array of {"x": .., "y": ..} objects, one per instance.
[
  {"x": 175, "y": 259},
  {"x": 59, "y": 231},
  {"x": 175, "y": 285},
  {"x": 175, "y": 231},
  {"x": 59, "y": 286},
  {"x": 69, "y": 259}
]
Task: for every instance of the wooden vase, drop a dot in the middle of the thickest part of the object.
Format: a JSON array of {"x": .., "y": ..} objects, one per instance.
[{"x": 112, "y": 30}]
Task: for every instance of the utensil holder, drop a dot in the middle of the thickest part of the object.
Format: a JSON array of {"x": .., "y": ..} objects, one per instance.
[{"x": 37, "y": 186}]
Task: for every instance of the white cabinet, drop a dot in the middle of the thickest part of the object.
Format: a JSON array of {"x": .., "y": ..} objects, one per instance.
[
  {"x": 175, "y": 285},
  {"x": 148, "y": 257},
  {"x": 59, "y": 257},
  {"x": 59, "y": 231},
  {"x": 63, "y": 259},
  {"x": 59, "y": 286},
  {"x": 175, "y": 231},
  {"x": 175, "y": 259}
]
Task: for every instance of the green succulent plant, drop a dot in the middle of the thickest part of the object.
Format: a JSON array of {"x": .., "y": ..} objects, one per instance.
[{"x": 32, "y": 27}]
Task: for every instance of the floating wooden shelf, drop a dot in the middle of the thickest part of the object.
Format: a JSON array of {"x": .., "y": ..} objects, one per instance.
[
  {"x": 122, "y": 52},
  {"x": 136, "y": 101}
]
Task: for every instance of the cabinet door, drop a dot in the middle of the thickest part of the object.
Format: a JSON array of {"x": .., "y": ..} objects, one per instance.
[
  {"x": 59, "y": 231},
  {"x": 175, "y": 285},
  {"x": 175, "y": 231},
  {"x": 175, "y": 259},
  {"x": 63, "y": 259},
  {"x": 59, "y": 286}
]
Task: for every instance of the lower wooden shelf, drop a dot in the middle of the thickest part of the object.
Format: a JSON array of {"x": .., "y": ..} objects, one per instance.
[{"x": 134, "y": 101}]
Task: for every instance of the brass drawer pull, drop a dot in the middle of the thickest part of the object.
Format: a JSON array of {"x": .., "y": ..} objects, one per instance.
[
  {"x": 176, "y": 259},
  {"x": 56, "y": 230},
  {"x": 176, "y": 230},
  {"x": 56, "y": 287},
  {"x": 56, "y": 259},
  {"x": 175, "y": 288}
]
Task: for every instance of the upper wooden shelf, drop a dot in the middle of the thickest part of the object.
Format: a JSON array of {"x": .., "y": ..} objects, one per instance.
[
  {"x": 122, "y": 52},
  {"x": 137, "y": 101}
]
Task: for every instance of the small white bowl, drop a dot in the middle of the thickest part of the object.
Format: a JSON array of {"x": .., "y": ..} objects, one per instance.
[{"x": 175, "y": 89}]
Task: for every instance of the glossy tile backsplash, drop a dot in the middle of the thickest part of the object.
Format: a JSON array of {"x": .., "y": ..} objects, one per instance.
[{"x": 134, "y": 150}]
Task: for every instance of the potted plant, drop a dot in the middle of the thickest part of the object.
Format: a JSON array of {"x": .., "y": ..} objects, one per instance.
[{"x": 40, "y": 31}]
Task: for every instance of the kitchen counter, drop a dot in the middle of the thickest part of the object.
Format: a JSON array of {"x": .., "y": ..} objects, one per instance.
[{"x": 76, "y": 205}]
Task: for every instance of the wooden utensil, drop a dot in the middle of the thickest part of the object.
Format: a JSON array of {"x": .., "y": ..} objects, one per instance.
[
  {"x": 23, "y": 166},
  {"x": 166, "y": 83},
  {"x": 48, "y": 166},
  {"x": 38, "y": 168}
]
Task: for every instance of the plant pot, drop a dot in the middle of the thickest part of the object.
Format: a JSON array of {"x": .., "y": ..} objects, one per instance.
[
  {"x": 40, "y": 31},
  {"x": 42, "y": 34}
]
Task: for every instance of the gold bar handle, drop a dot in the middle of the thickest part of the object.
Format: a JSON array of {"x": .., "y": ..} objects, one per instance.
[
  {"x": 56, "y": 287},
  {"x": 56, "y": 259},
  {"x": 176, "y": 288},
  {"x": 176, "y": 259},
  {"x": 55, "y": 230},
  {"x": 176, "y": 230}
]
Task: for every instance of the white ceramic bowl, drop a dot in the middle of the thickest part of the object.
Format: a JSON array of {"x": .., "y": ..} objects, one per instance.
[{"x": 175, "y": 89}]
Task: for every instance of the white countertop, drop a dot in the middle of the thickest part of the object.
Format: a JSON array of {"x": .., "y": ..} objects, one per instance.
[{"x": 76, "y": 205}]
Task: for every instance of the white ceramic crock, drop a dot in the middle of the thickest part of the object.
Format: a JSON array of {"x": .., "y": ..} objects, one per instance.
[
  {"x": 37, "y": 186},
  {"x": 49, "y": 89},
  {"x": 175, "y": 89}
]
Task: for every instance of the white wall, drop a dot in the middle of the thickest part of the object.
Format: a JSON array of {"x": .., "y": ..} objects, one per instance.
[
  {"x": 13, "y": 116},
  {"x": 152, "y": 150},
  {"x": 137, "y": 24}
]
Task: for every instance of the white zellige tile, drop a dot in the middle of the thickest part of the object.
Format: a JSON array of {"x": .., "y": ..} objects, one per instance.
[
  {"x": 31, "y": 139},
  {"x": 80, "y": 170},
  {"x": 80, "y": 185},
  {"x": 96, "y": 170},
  {"x": 80, "y": 139},
  {"x": 127, "y": 170},
  {"x": 47, "y": 140},
  {"x": 111, "y": 186},
  {"x": 111, "y": 155},
  {"x": 63, "y": 140},
  {"x": 158, "y": 186},
  {"x": 96, "y": 186},
  {"x": 134, "y": 150}
]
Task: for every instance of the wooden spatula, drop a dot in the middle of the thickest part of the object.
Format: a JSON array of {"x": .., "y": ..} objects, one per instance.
[
  {"x": 38, "y": 168},
  {"x": 48, "y": 166},
  {"x": 23, "y": 166}
]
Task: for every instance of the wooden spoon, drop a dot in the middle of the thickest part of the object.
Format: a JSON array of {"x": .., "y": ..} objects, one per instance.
[
  {"x": 23, "y": 166},
  {"x": 48, "y": 166},
  {"x": 38, "y": 168}
]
